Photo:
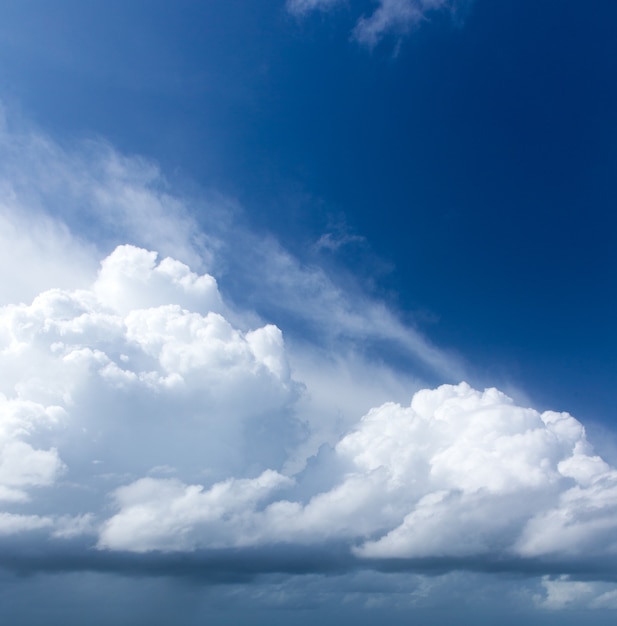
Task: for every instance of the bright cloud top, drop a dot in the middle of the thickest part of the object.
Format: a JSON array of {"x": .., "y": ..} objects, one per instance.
[
  {"x": 140, "y": 392},
  {"x": 99, "y": 372}
]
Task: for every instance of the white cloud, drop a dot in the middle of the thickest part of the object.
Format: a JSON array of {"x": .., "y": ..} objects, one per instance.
[
  {"x": 564, "y": 593},
  {"x": 396, "y": 17},
  {"x": 11, "y": 524},
  {"x": 164, "y": 514},
  {"x": 63, "y": 207},
  {"x": 300, "y": 7},
  {"x": 475, "y": 470},
  {"x": 123, "y": 374},
  {"x": 36, "y": 252},
  {"x": 582, "y": 523},
  {"x": 22, "y": 466},
  {"x": 109, "y": 380},
  {"x": 130, "y": 279},
  {"x": 307, "y": 295},
  {"x": 458, "y": 474}
]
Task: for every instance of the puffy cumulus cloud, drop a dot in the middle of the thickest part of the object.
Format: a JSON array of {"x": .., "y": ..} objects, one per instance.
[
  {"x": 477, "y": 470},
  {"x": 142, "y": 369},
  {"x": 582, "y": 522},
  {"x": 458, "y": 474},
  {"x": 396, "y": 17},
  {"x": 130, "y": 278},
  {"x": 23, "y": 466},
  {"x": 168, "y": 515}
]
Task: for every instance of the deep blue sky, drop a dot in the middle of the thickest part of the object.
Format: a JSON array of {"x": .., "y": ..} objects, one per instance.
[{"x": 478, "y": 158}]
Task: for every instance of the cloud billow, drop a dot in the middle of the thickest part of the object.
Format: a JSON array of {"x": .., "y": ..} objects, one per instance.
[
  {"x": 140, "y": 390},
  {"x": 153, "y": 423}
]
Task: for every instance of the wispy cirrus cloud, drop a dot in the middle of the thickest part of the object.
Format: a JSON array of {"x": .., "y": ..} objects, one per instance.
[
  {"x": 300, "y": 7},
  {"x": 390, "y": 17}
]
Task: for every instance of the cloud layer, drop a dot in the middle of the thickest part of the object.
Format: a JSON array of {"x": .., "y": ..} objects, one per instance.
[{"x": 140, "y": 393}]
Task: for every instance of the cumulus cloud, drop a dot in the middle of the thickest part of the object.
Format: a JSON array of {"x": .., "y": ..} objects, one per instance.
[
  {"x": 23, "y": 466},
  {"x": 457, "y": 474},
  {"x": 176, "y": 516},
  {"x": 478, "y": 470},
  {"x": 166, "y": 419},
  {"x": 128, "y": 375},
  {"x": 142, "y": 369}
]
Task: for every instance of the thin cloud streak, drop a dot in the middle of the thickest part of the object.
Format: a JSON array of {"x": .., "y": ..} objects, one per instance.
[{"x": 390, "y": 17}]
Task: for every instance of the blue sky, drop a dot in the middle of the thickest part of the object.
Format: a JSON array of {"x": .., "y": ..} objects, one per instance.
[{"x": 351, "y": 202}]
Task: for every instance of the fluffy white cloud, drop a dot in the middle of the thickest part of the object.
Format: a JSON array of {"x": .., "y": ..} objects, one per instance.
[
  {"x": 168, "y": 515},
  {"x": 139, "y": 370},
  {"x": 143, "y": 369},
  {"x": 459, "y": 473},
  {"x": 131, "y": 279},
  {"x": 21, "y": 465},
  {"x": 110, "y": 381},
  {"x": 476, "y": 469}
]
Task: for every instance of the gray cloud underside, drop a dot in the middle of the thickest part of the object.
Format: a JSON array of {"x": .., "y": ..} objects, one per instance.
[{"x": 227, "y": 566}]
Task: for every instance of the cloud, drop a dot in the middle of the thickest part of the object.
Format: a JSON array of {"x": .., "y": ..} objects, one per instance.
[
  {"x": 176, "y": 516},
  {"x": 157, "y": 420},
  {"x": 459, "y": 474},
  {"x": 143, "y": 370},
  {"x": 131, "y": 279},
  {"x": 300, "y": 7},
  {"x": 564, "y": 593},
  {"x": 22, "y": 466},
  {"x": 480, "y": 472},
  {"x": 65, "y": 207},
  {"x": 391, "y": 17},
  {"x": 11, "y": 523},
  {"x": 322, "y": 311},
  {"x": 62, "y": 207},
  {"x": 121, "y": 377}
]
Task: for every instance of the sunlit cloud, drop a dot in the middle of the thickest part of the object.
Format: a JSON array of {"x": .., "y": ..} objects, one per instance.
[{"x": 150, "y": 410}]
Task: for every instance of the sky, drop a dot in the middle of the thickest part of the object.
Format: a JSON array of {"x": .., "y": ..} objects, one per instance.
[{"x": 307, "y": 312}]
